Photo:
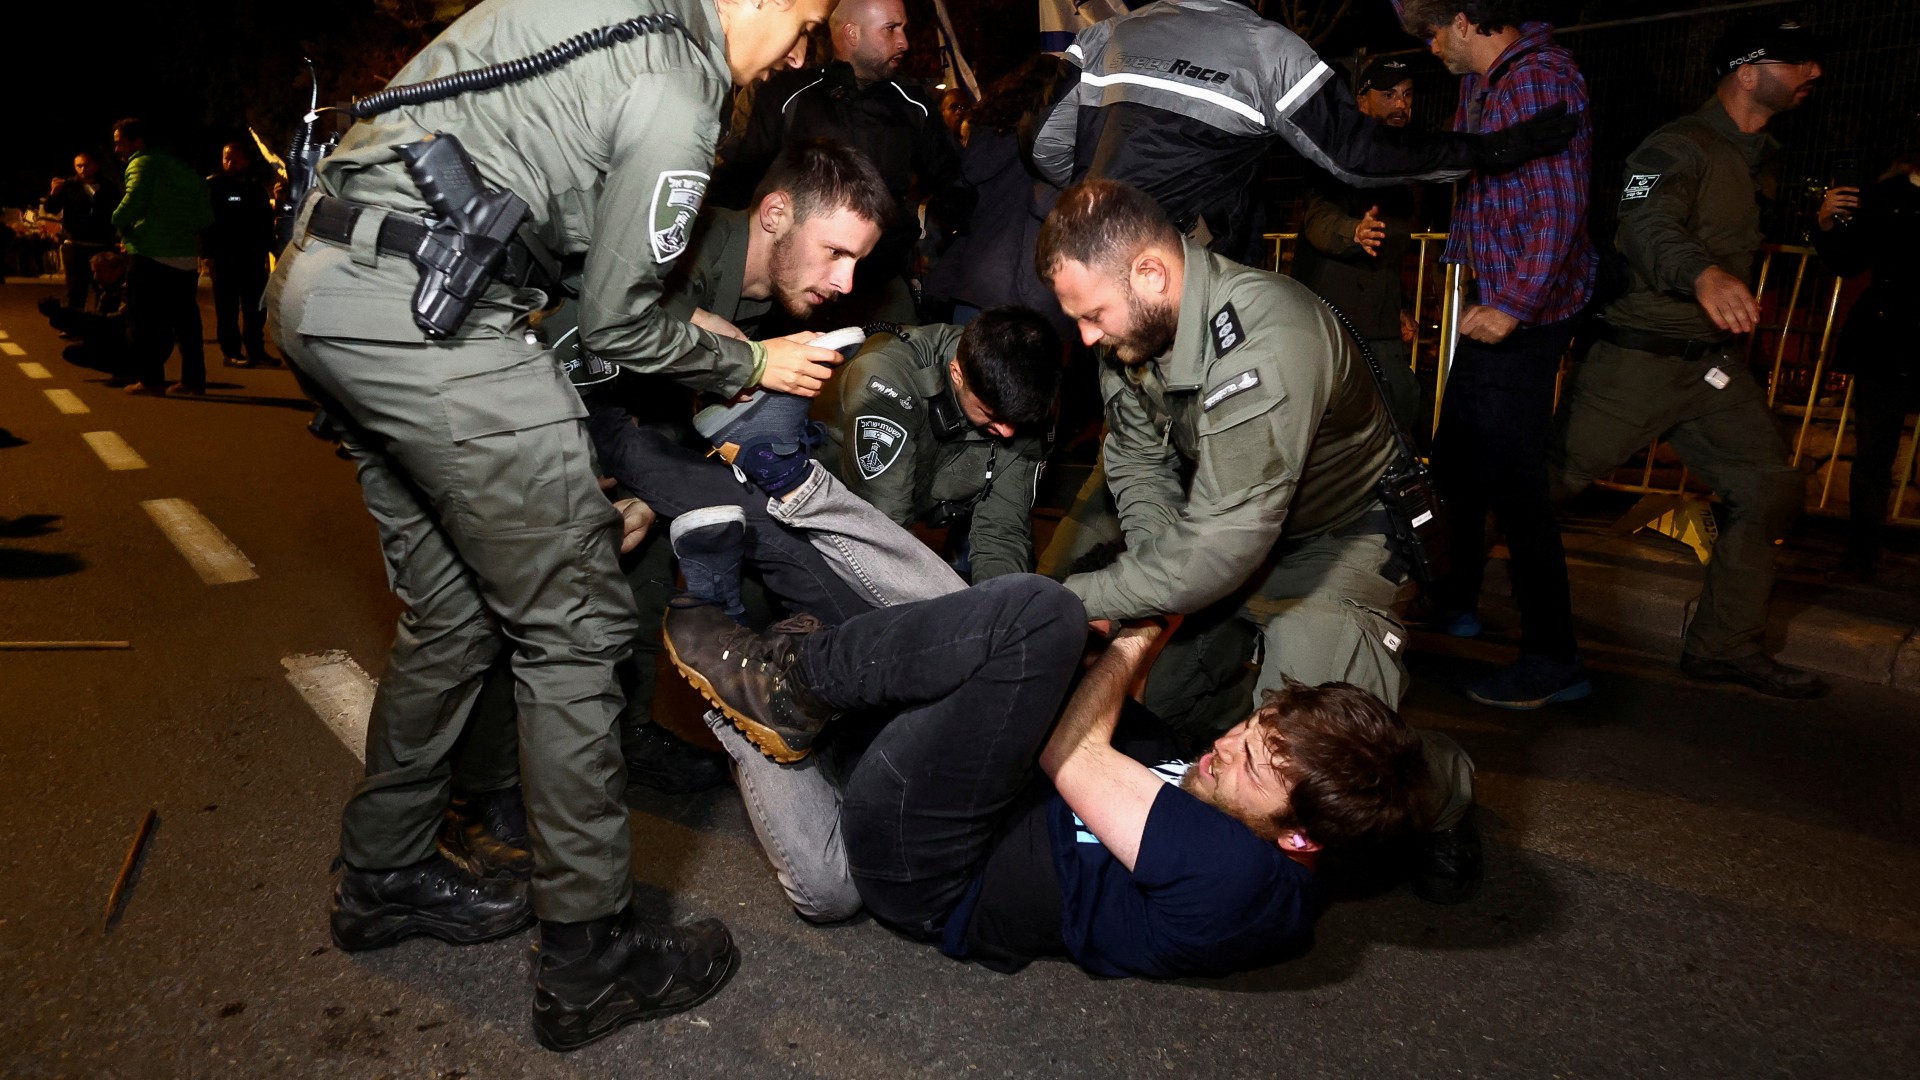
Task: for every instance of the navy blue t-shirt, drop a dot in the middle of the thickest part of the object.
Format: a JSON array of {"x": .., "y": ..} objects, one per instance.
[{"x": 1205, "y": 897}]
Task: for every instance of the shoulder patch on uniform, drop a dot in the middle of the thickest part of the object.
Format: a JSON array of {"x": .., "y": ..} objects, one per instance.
[
  {"x": 1639, "y": 186},
  {"x": 676, "y": 203},
  {"x": 1227, "y": 334},
  {"x": 1239, "y": 384},
  {"x": 877, "y": 442},
  {"x": 884, "y": 389}
]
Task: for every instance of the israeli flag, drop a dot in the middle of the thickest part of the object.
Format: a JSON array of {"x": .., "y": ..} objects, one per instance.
[{"x": 954, "y": 70}]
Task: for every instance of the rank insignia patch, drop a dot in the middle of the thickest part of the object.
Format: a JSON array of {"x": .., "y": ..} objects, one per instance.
[
  {"x": 1639, "y": 186},
  {"x": 676, "y": 202},
  {"x": 1239, "y": 384},
  {"x": 1227, "y": 334},
  {"x": 877, "y": 442}
]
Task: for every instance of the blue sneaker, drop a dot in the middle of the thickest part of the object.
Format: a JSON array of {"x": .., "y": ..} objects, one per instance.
[
  {"x": 1532, "y": 683},
  {"x": 709, "y": 542},
  {"x": 1465, "y": 624},
  {"x": 765, "y": 437}
]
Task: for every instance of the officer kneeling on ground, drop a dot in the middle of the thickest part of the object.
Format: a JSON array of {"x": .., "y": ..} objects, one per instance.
[
  {"x": 410, "y": 328},
  {"x": 1246, "y": 441},
  {"x": 947, "y": 425}
]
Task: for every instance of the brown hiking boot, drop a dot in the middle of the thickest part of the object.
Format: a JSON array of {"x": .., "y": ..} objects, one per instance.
[{"x": 754, "y": 678}]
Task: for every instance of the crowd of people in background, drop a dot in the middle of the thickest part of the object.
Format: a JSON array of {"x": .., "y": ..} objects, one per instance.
[{"x": 134, "y": 244}]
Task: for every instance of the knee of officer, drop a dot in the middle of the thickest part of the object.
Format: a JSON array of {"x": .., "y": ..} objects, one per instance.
[{"x": 1773, "y": 497}]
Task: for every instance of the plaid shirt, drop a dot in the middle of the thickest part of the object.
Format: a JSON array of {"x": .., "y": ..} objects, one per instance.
[{"x": 1524, "y": 231}]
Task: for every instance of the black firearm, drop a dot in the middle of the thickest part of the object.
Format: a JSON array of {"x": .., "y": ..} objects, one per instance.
[{"x": 466, "y": 240}]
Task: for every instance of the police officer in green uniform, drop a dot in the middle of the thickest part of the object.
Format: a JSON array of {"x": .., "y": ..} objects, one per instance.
[
  {"x": 1669, "y": 360},
  {"x": 475, "y": 462},
  {"x": 1245, "y": 442},
  {"x": 818, "y": 212},
  {"x": 947, "y": 425}
]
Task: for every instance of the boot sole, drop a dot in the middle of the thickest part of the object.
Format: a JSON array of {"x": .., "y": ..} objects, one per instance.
[
  {"x": 381, "y": 931},
  {"x": 765, "y": 739},
  {"x": 617, "y": 1019}
]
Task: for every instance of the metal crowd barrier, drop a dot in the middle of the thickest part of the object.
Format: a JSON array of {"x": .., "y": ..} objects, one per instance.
[{"x": 1796, "y": 337}]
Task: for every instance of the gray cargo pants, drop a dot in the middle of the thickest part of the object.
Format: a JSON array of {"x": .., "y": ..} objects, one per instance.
[{"x": 475, "y": 465}]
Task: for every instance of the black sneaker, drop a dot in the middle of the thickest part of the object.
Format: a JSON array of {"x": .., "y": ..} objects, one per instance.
[
  {"x": 591, "y": 978},
  {"x": 372, "y": 909},
  {"x": 1759, "y": 671},
  {"x": 658, "y": 759},
  {"x": 487, "y": 835},
  {"x": 1533, "y": 682},
  {"x": 1447, "y": 866},
  {"x": 754, "y": 678}
]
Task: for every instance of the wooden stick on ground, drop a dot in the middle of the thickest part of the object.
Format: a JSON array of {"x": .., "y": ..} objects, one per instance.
[
  {"x": 126, "y": 868},
  {"x": 50, "y": 646}
]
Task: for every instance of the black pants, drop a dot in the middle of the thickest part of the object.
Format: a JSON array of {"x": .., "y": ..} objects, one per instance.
[
  {"x": 1490, "y": 454},
  {"x": 163, "y": 310},
  {"x": 76, "y": 256},
  {"x": 238, "y": 321},
  {"x": 649, "y": 461},
  {"x": 1881, "y": 402},
  {"x": 974, "y": 681}
]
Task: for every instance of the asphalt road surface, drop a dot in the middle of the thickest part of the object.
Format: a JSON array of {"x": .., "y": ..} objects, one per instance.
[{"x": 1682, "y": 881}]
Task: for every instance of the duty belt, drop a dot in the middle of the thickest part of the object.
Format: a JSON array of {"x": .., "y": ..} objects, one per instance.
[
  {"x": 1659, "y": 344},
  {"x": 333, "y": 220}
]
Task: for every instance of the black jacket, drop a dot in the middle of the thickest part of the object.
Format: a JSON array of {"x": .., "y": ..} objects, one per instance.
[
  {"x": 87, "y": 218},
  {"x": 242, "y": 216},
  {"x": 1883, "y": 237},
  {"x": 897, "y": 125}
]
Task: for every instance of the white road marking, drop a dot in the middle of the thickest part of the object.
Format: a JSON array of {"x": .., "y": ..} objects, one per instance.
[
  {"x": 3, "y": 335},
  {"x": 338, "y": 691},
  {"x": 206, "y": 548},
  {"x": 67, "y": 402},
  {"x": 114, "y": 451},
  {"x": 35, "y": 371},
  {"x": 11, "y": 349}
]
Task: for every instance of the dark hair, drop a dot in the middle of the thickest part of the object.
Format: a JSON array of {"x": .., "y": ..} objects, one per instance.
[
  {"x": 1355, "y": 769},
  {"x": 1010, "y": 358},
  {"x": 1419, "y": 17},
  {"x": 1019, "y": 92},
  {"x": 131, "y": 128},
  {"x": 1102, "y": 225},
  {"x": 245, "y": 148},
  {"x": 824, "y": 176}
]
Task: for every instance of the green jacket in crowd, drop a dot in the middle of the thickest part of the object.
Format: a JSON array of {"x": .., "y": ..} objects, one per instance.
[
  {"x": 164, "y": 209},
  {"x": 1261, "y": 422},
  {"x": 892, "y": 453},
  {"x": 1691, "y": 201}
]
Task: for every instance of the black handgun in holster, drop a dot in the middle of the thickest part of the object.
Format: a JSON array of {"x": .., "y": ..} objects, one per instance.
[{"x": 466, "y": 242}]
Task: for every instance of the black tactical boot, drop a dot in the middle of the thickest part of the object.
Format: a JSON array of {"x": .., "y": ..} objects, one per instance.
[
  {"x": 1759, "y": 671},
  {"x": 372, "y": 909},
  {"x": 658, "y": 759},
  {"x": 590, "y": 978},
  {"x": 754, "y": 678},
  {"x": 487, "y": 834},
  {"x": 1447, "y": 864}
]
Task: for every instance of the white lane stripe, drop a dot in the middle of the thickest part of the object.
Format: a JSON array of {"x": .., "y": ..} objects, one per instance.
[
  {"x": 338, "y": 691},
  {"x": 114, "y": 451},
  {"x": 1238, "y": 107},
  {"x": 206, "y": 548},
  {"x": 34, "y": 371},
  {"x": 67, "y": 402},
  {"x": 1320, "y": 73},
  {"x": 3, "y": 335},
  {"x": 11, "y": 349}
]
